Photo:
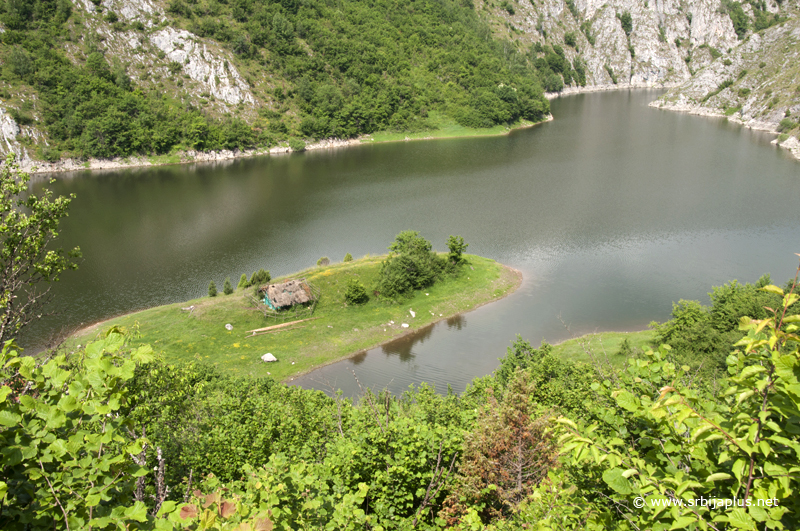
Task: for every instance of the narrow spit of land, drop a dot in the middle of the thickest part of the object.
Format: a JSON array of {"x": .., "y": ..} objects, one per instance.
[{"x": 336, "y": 332}]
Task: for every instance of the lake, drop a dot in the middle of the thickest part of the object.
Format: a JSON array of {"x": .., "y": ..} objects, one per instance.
[{"x": 612, "y": 211}]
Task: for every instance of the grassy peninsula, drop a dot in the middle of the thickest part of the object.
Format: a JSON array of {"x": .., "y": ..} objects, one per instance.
[{"x": 337, "y": 331}]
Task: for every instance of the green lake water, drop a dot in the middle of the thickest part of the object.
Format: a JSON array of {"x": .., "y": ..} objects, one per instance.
[{"x": 612, "y": 211}]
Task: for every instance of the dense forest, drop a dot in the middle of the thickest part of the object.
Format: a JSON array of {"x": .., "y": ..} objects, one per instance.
[
  {"x": 113, "y": 437},
  {"x": 340, "y": 69}
]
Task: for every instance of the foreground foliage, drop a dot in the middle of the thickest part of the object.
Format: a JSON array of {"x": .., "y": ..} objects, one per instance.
[
  {"x": 28, "y": 227},
  {"x": 186, "y": 447}
]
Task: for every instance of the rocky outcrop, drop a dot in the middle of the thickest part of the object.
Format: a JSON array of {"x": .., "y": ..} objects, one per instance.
[
  {"x": 210, "y": 68},
  {"x": 668, "y": 41},
  {"x": 755, "y": 85}
]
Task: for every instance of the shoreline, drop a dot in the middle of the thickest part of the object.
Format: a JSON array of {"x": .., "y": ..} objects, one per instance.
[
  {"x": 515, "y": 273},
  {"x": 791, "y": 144},
  {"x": 192, "y": 157},
  {"x": 321, "y": 349},
  {"x": 572, "y": 91}
]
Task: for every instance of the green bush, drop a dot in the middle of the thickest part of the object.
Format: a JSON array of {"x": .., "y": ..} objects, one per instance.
[
  {"x": 356, "y": 293},
  {"x": 348, "y": 258},
  {"x": 411, "y": 265},
  {"x": 787, "y": 124},
  {"x": 260, "y": 277},
  {"x": 322, "y": 262},
  {"x": 570, "y": 40},
  {"x": 227, "y": 287},
  {"x": 297, "y": 145},
  {"x": 212, "y": 289},
  {"x": 242, "y": 282},
  {"x": 456, "y": 246},
  {"x": 627, "y": 22}
]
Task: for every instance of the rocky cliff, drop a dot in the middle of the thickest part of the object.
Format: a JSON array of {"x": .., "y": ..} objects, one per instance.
[
  {"x": 663, "y": 42},
  {"x": 756, "y": 85}
]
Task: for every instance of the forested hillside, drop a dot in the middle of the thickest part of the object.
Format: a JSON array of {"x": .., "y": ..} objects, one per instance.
[{"x": 118, "y": 78}]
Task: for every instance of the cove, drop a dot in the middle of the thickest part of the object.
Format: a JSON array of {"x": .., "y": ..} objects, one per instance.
[{"x": 612, "y": 211}]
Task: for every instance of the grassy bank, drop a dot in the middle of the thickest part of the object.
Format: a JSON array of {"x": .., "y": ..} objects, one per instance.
[
  {"x": 336, "y": 332},
  {"x": 446, "y": 127},
  {"x": 603, "y": 345}
]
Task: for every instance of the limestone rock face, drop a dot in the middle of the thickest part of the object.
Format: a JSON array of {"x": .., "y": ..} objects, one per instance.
[
  {"x": 657, "y": 58},
  {"x": 9, "y": 131},
  {"x": 755, "y": 85},
  {"x": 210, "y": 68}
]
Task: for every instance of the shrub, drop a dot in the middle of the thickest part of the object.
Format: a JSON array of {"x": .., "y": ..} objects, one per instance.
[
  {"x": 297, "y": 145},
  {"x": 356, "y": 292},
  {"x": 456, "y": 246},
  {"x": 348, "y": 257},
  {"x": 573, "y": 9},
  {"x": 627, "y": 22},
  {"x": 242, "y": 282},
  {"x": 227, "y": 287},
  {"x": 260, "y": 277},
  {"x": 411, "y": 265},
  {"x": 570, "y": 40},
  {"x": 323, "y": 261},
  {"x": 787, "y": 124},
  {"x": 212, "y": 289}
]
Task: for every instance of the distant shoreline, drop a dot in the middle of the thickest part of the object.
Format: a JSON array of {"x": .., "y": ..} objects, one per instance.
[{"x": 194, "y": 157}]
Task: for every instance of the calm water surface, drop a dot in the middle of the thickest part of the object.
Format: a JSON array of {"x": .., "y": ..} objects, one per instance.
[{"x": 612, "y": 211}]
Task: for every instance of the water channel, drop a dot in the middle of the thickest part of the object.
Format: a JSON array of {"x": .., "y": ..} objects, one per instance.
[{"x": 612, "y": 211}]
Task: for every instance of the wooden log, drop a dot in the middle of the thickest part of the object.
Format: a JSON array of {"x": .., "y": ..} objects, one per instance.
[
  {"x": 274, "y": 331},
  {"x": 280, "y": 325}
]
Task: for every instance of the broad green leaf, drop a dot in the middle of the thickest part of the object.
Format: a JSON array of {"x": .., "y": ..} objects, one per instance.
[
  {"x": 617, "y": 481},
  {"x": 4, "y": 392},
  {"x": 739, "y": 519},
  {"x": 166, "y": 508},
  {"x": 773, "y": 289},
  {"x": 751, "y": 370},
  {"x": 627, "y": 401},
  {"x": 719, "y": 476},
  {"x": 682, "y": 522},
  {"x": 9, "y": 419},
  {"x": 138, "y": 512}
]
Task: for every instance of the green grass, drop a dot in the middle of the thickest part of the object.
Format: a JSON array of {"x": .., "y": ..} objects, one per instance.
[
  {"x": 169, "y": 158},
  {"x": 603, "y": 345},
  {"x": 444, "y": 127},
  {"x": 338, "y": 331}
]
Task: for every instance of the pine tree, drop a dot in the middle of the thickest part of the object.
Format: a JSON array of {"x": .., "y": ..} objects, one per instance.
[
  {"x": 242, "y": 282},
  {"x": 212, "y": 289},
  {"x": 227, "y": 288}
]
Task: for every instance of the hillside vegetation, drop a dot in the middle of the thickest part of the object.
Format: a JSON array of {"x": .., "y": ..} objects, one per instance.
[
  {"x": 543, "y": 443},
  {"x": 115, "y": 78}
]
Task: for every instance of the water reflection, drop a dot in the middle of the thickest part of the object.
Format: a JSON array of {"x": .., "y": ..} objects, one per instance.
[
  {"x": 612, "y": 211},
  {"x": 457, "y": 322},
  {"x": 403, "y": 347}
]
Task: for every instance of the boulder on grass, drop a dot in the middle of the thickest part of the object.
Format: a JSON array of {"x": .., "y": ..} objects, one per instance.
[{"x": 268, "y": 357}]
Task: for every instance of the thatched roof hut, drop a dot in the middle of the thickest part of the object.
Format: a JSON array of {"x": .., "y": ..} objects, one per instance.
[{"x": 288, "y": 294}]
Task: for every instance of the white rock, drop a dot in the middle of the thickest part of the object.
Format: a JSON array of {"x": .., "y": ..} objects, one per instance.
[
  {"x": 404, "y": 325},
  {"x": 268, "y": 357},
  {"x": 229, "y": 327},
  {"x": 201, "y": 64},
  {"x": 412, "y": 313}
]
